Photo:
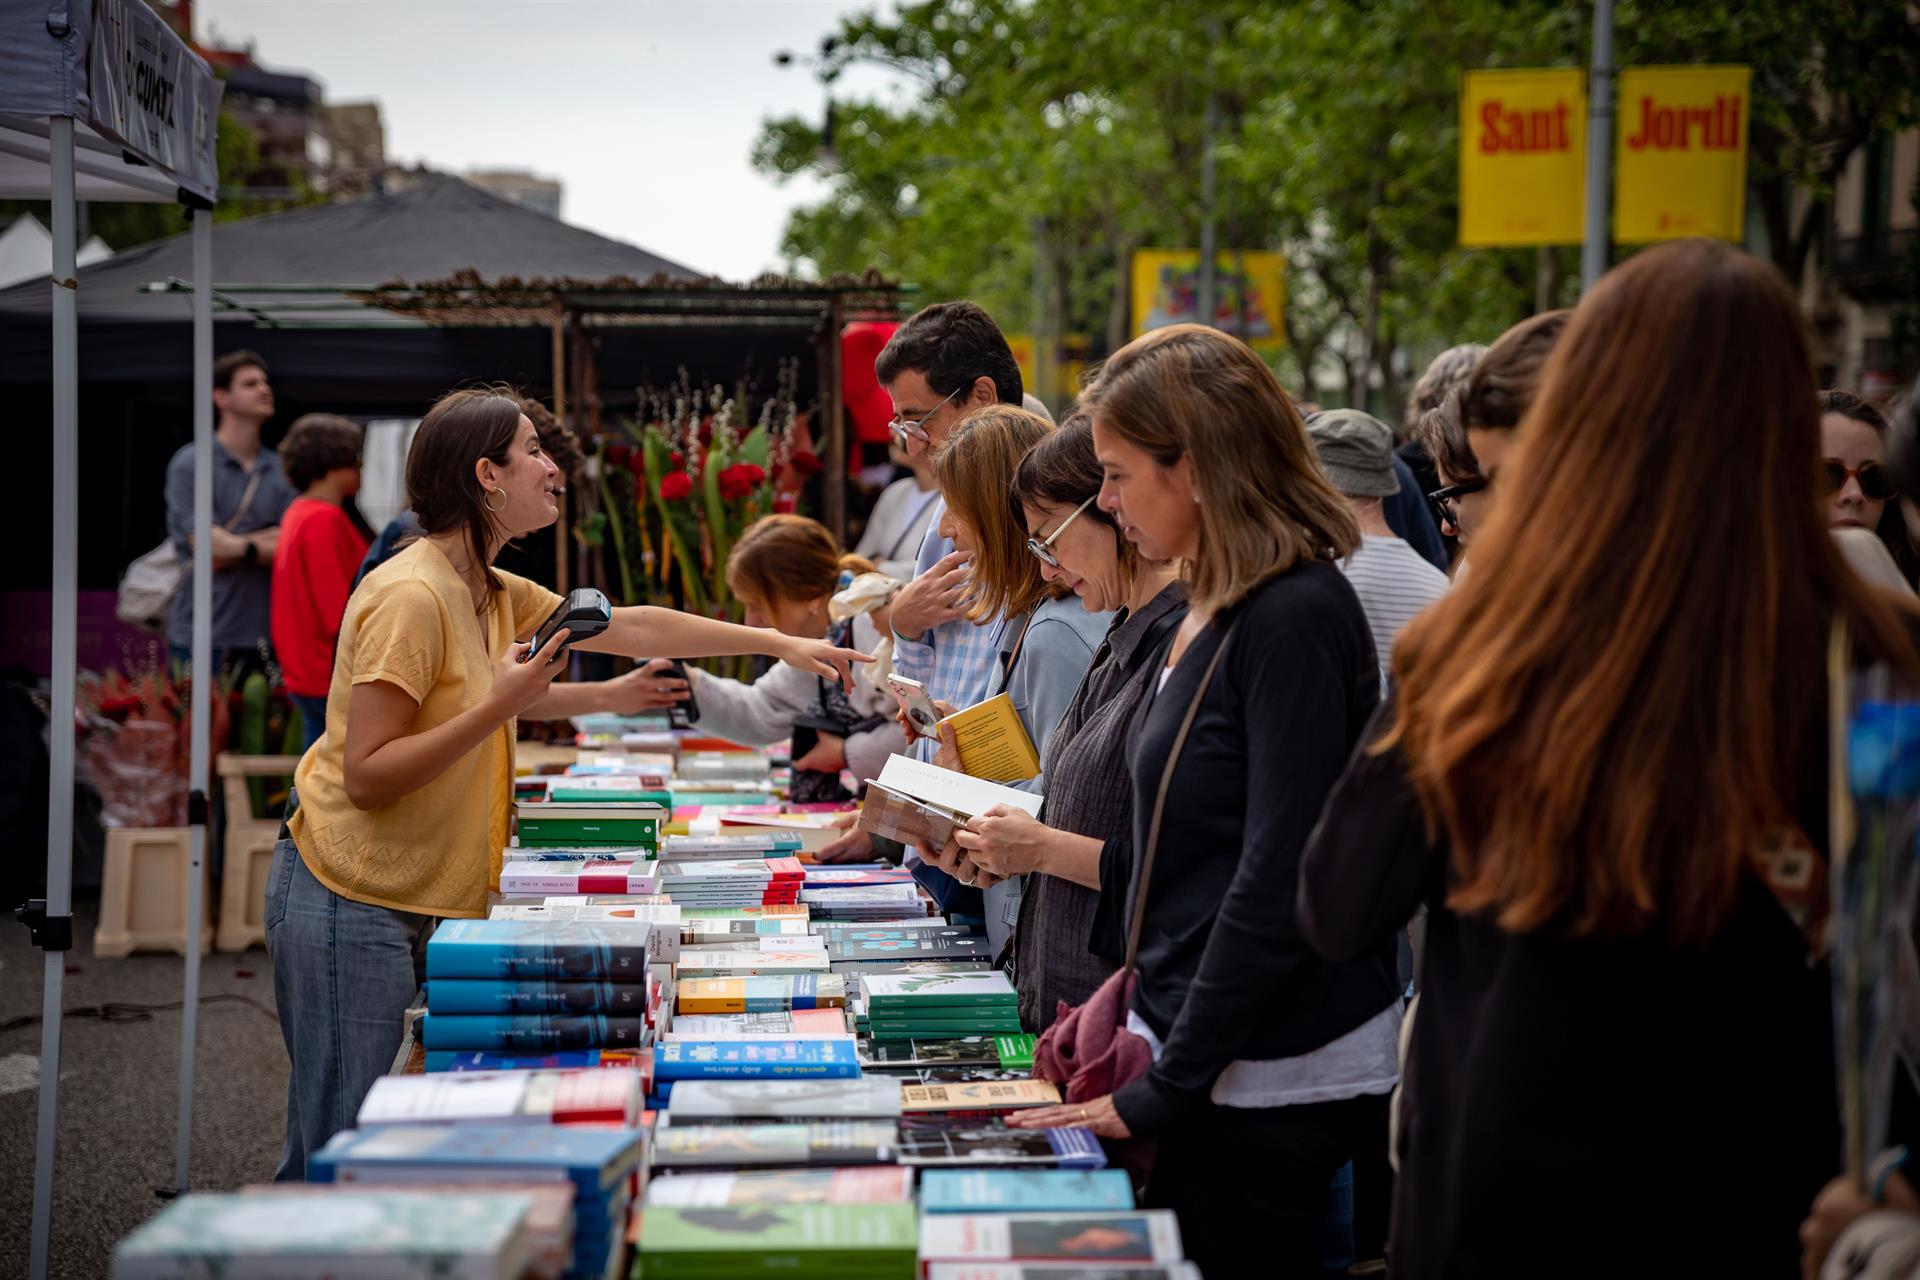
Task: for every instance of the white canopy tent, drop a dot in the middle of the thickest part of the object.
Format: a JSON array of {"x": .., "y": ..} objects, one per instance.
[{"x": 100, "y": 101}]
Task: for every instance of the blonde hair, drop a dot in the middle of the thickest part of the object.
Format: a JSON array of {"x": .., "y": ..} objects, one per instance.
[
  {"x": 788, "y": 557},
  {"x": 1265, "y": 505},
  {"x": 975, "y": 472}
]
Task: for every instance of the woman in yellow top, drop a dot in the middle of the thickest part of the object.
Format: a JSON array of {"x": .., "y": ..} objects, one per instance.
[{"x": 401, "y": 809}]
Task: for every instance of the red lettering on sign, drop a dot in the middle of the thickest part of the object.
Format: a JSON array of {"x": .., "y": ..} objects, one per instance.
[
  {"x": 1674, "y": 128},
  {"x": 1537, "y": 129}
]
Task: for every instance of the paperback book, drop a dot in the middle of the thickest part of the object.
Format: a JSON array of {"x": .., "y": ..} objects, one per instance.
[
  {"x": 803, "y": 1022},
  {"x": 848, "y": 1142},
  {"x": 606, "y": 950},
  {"x": 1143, "y": 1236},
  {"x": 536, "y": 996},
  {"x": 695, "y": 933},
  {"x": 755, "y": 1059},
  {"x": 828, "y": 1241},
  {"x": 938, "y": 1142},
  {"x": 911, "y": 994},
  {"x": 760, "y": 844},
  {"x": 979, "y": 1096},
  {"x": 1025, "y": 1190},
  {"x": 527, "y": 878},
  {"x": 504, "y": 1097},
  {"x": 640, "y": 1060},
  {"x": 773, "y": 911},
  {"x": 595, "y": 1160},
  {"x": 704, "y": 963},
  {"x": 872, "y": 1184},
  {"x": 1059, "y": 1271},
  {"x": 861, "y": 1098},
  {"x": 760, "y": 995},
  {"x": 557, "y": 822},
  {"x": 542, "y": 1033}
]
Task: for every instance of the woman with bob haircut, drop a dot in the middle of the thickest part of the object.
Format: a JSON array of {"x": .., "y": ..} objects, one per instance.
[
  {"x": 1605, "y": 771},
  {"x": 1270, "y": 1065},
  {"x": 401, "y": 810},
  {"x": 1049, "y": 639}
]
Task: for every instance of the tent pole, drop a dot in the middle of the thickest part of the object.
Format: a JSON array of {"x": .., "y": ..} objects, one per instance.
[
  {"x": 200, "y": 693},
  {"x": 66, "y": 533}
]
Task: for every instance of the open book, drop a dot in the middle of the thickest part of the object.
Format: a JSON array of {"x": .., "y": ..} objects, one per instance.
[{"x": 922, "y": 804}]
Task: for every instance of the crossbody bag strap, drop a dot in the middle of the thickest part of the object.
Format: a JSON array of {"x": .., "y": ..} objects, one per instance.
[
  {"x": 246, "y": 498},
  {"x": 1014, "y": 655},
  {"x": 1160, "y": 801}
]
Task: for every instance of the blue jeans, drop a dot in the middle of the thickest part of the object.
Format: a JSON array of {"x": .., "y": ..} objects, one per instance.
[
  {"x": 344, "y": 973},
  {"x": 313, "y": 718}
]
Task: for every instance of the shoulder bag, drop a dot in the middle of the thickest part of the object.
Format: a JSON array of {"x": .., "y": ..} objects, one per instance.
[{"x": 147, "y": 588}]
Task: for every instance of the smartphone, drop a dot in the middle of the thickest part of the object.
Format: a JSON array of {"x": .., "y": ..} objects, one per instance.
[
  {"x": 915, "y": 702},
  {"x": 585, "y": 613},
  {"x": 684, "y": 712}
]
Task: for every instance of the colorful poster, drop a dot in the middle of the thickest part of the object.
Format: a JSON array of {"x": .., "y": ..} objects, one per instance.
[
  {"x": 1680, "y": 159},
  {"x": 1523, "y": 157},
  {"x": 1251, "y": 293}
]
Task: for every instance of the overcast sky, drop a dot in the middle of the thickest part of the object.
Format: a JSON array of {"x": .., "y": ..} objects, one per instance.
[{"x": 645, "y": 109}]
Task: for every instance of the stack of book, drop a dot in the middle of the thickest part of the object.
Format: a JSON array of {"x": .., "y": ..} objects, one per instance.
[
  {"x": 555, "y": 822},
  {"x": 307, "y": 1233},
  {"x": 866, "y": 903},
  {"x": 532, "y": 986},
  {"x": 753, "y": 844},
  {"x": 762, "y": 1101},
  {"x": 595, "y": 1097},
  {"x": 1144, "y": 1237},
  {"x": 770, "y": 956},
  {"x": 533, "y": 871},
  {"x": 932, "y": 1005},
  {"x": 738, "y": 882},
  {"x": 601, "y": 1165},
  {"x": 828, "y": 1241}
]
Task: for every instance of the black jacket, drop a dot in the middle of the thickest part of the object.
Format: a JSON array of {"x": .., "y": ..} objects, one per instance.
[{"x": 1223, "y": 970}]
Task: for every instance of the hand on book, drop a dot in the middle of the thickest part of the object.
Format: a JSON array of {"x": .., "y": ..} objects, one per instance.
[
  {"x": 1004, "y": 841},
  {"x": 955, "y": 862},
  {"x": 948, "y": 756},
  {"x": 854, "y": 845},
  {"x": 1099, "y": 1115}
]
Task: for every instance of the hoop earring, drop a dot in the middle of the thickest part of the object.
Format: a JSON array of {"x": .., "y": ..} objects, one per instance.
[{"x": 488, "y": 503}]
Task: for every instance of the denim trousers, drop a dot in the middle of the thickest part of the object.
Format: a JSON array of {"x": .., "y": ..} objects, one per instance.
[{"x": 344, "y": 974}]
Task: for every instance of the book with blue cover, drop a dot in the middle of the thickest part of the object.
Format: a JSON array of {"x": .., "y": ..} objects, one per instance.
[
  {"x": 1027, "y": 1190},
  {"x": 497, "y": 1060},
  {"x": 742, "y": 1059},
  {"x": 535, "y": 996},
  {"x": 594, "y": 1160},
  {"x": 603, "y": 950},
  {"x": 543, "y": 1033}
]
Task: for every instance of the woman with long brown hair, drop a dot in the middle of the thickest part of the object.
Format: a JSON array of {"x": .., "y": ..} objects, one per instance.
[{"x": 1604, "y": 771}]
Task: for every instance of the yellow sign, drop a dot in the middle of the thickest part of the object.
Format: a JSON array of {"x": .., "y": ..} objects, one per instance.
[
  {"x": 1523, "y": 157},
  {"x": 1680, "y": 166},
  {"x": 1069, "y": 366},
  {"x": 1251, "y": 290}
]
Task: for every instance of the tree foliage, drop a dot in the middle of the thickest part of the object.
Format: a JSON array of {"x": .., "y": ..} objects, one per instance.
[{"x": 1043, "y": 140}]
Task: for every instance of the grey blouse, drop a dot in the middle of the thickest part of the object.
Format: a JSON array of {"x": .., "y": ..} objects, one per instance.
[{"x": 1089, "y": 792}]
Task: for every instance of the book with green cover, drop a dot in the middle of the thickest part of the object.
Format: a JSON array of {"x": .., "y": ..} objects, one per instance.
[
  {"x": 557, "y": 822},
  {"x": 947, "y": 991},
  {"x": 562, "y": 794},
  {"x": 829, "y": 1241}
]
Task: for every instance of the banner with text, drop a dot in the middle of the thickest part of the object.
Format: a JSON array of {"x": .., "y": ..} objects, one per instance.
[
  {"x": 1680, "y": 164},
  {"x": 1250, "y": 288},
  {"x": 1523, "y": 157},
  {"x": 153, "y": 95}
]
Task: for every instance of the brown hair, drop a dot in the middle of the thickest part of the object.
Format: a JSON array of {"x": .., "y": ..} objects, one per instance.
[
  {"x": 317, "y": 443},
  {"x": 1506, "y": 378},
  {"x": 1188, "y": 391},
  {"x": 230, "y": 364},
  {"x": 1445, "y": 374},
  {"x": 788, "y": 557},
  {"x": 557, "y": 440},
  {"x": 1063, "y": 471},
  {"x": 1446, "y": 439},
  {"x": 1892, "y": 529},
  {"x": 975, "y": 472},
  {"x": 462, "y": 427},
  {"x": 1608, "y": 726}
]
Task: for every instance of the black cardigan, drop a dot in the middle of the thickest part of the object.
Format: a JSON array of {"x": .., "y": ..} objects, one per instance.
[
  {"x": 1590, "y": 1107},
  {"x": 1223, "y": 971}
]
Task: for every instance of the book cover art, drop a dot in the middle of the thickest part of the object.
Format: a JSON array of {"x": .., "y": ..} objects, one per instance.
[
  {"x": 932, "y": 1052},
  {"x": 873, "y": 1184},
  {"x": 860, "y": 1098},
  {"x": 989, "y": 990},
  {"x": 754, "y": 1059},
  {"x": 850, "y": 1142},
  {"x": 933, "y": 947},
  {"x": 695, "y": 933},
  {"x": 823, "y": 877},
  {"x": 535, "y": 996},
  {"x": 1025, "y": 1190},
  {"x": 845, "y": 1242},
  {"x": 771, "y": 911},
  {"x": 594, "y": 1159},
  {"x": 979, "y": 1095},
  {"x": 758, "y": 963},
  {"x": 640, "y": 1060},
  {"x": 1146, "y": 1235},
  {"x": 935, "y": 1142},
  {"x": 544, "y": 1033},
  {"x": 783, "y": 1022},
  {"x": 760, "y": 994},
  {"x": 606, "y": 950}
]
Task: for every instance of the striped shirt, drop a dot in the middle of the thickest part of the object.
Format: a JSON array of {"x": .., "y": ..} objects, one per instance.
[{"x": 1394, "y": 583}]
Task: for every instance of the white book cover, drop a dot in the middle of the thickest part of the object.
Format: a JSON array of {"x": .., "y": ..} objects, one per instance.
[
  {"x": 866, "y": 1097},
  {"x": 560, "y": 911},
  {"x": 951, "y": 790},
  {"x": 497, "y": 1097},
  {"x": 1142, "y": 1235},
  {"x": 722, "y": 963},
  {"x": 936, "y": 988}
]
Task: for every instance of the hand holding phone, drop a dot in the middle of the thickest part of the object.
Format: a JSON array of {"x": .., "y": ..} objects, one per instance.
[{"x": 922, "y": 719}]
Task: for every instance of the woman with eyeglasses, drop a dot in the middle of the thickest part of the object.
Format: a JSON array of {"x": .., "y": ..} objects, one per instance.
[
  {"x": 1855, "y": 476},
  {"x": 1076, "y": 854},
  {"x": 1049, "y": 638}
]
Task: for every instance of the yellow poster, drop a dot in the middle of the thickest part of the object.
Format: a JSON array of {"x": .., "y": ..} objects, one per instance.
[
  {"x": 1251, "y": 291},
  {"x": 1523, "y": 157},
  {"x": 1680, "y": 165}
]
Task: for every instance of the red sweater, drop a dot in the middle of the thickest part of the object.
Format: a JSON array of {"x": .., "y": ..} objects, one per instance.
[{"x": 313, "y": 570}]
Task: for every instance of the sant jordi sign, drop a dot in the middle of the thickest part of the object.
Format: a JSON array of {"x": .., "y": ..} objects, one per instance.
[
  {"x": 1680, "y": 166},
  {"x": 1523, "y": 157}
]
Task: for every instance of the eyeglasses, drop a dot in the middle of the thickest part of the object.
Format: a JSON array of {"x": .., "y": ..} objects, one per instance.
[
  {"x": 1442, "y": 500},
  {"x": 1045, "y": 549},
  {"x": 1875, "y": 484},
  {"x": 904, "y": 429}
]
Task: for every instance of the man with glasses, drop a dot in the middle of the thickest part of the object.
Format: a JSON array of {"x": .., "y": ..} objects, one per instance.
[{"x": 945, "y": 361}]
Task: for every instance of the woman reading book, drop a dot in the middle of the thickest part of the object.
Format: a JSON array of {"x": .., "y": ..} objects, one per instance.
[
  {"x": 1049, "y": 640},
  {"x": 1269, "y": 1064},
  {"x": 400, "y": 811},
  {"x": 1076, "y": 855}
]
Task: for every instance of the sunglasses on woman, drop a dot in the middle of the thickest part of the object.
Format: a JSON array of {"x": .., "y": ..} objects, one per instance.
[
  {"x": 1442, "y": 500},
  {"x": 1044, "y": 550},
  {"x": 1873, "y": 478}
]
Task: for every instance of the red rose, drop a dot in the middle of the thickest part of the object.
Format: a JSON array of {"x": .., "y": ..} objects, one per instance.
[
  {"x": 751, "y": 471},
  {"x": 783, "y": 503},
  {"x": 736, "y": 482},
  {"x": 619, "y": 453},
  {"x": 806, "y": 462},
  {"x": 677, "y": 458},
  {"x": 677, "y": 486}
]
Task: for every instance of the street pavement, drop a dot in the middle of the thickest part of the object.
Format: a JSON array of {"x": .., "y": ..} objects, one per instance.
[{"x": 119, "y": 1091}]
